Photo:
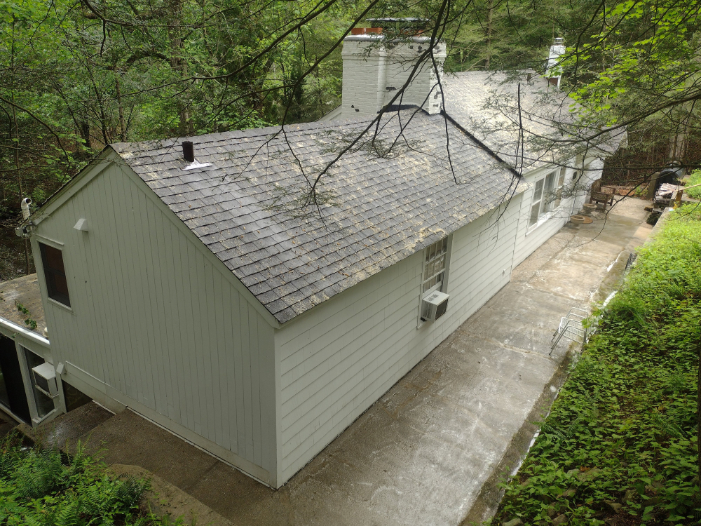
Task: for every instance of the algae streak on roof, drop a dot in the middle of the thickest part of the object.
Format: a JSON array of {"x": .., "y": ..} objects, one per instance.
[
  {"x": 496, "y": 106},
  {"x": 381, "y": 206}
]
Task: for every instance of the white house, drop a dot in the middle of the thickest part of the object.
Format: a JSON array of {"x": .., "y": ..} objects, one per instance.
[
  {"x": 183, "y": 281},
  {"x": 525, "y": 121}
]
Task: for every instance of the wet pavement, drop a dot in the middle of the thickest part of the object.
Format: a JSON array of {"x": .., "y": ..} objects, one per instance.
[{"x": 433, "y": 448}]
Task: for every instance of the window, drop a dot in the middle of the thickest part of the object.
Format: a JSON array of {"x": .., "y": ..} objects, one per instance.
[
  {"x": 435, "y": 265},
  {"x": 558, "y": 189},
  {"x": 54, "y": 274},
  {"x": 547, "y": 195},
  {"x": 40, "y": 389},
  {"x": 536, "y": 202}
]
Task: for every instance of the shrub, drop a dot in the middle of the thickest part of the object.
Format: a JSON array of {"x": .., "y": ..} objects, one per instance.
[
  {"x": 621, "y": 437},
  {"x": 694, "y": 178}
]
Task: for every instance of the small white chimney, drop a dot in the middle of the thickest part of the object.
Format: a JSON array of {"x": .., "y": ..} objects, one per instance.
[
  {"x": 553, "y": 72},
  {"x": 24, "y": 205},
  {"x": 374, "y": 69}
]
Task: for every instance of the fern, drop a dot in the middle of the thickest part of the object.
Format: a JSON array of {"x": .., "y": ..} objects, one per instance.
[
  {"x": 667, "y": 426},
  {"x": 30, "y": 520},
  {"x": 129, "y": 492},
  {"x": 39, "y": 473},
  {"x": 10, "y": 454},
  {"x": 40, "y": 487},
  {"x": 68, "y": 515},
  {"x": 81, "y": 461}
]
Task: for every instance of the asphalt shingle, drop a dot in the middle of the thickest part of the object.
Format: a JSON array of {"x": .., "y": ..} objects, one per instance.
[
  {"x": 490, "y": 105},
  {"x": 378, "y": 205}
]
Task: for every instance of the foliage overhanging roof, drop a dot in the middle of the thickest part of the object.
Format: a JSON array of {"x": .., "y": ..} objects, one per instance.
[
  {"x": 522, "y": 119},
  {"x": 392, "y": 194}
]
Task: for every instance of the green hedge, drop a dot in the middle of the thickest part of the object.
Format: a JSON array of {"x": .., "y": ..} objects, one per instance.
[{"x": 620, "y": 443}]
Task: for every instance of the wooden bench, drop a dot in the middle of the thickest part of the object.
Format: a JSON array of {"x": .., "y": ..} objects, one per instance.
[{"x": 597, "y": 196}]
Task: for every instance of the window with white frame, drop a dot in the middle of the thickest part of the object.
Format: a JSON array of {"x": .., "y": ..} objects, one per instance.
[
  {"x": 435, "y": 268},
  {"x": 547, "y": 195},
  {"x": 558, "y": 188},
  {"x": 44, "y": 400},
  {"x": 54, "y": 274}
]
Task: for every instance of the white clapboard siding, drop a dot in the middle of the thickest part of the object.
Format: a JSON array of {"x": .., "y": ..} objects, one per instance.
[
  {"x": 340, "y": 357},
  {"x": 156, "y": 320},
  {"x": 529, "y": 239},
  {"x": 593, "y": 169}
]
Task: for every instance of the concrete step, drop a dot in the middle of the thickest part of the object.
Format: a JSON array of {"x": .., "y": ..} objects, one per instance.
[{"x": 65, "y": 430}]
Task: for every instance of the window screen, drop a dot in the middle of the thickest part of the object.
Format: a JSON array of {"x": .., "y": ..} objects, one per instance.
[
  {"x": 558, "y": 189},
  {"x": 434, "y": 265},
  {"x": 535, "y": 206},
  {"x": 55, "y": 274},
  {"x": 546, "y": 195},
  {"x": 549, "y": 196}
]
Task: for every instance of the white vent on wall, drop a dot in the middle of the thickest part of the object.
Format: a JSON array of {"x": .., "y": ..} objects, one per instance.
[
  {"x": 435, "y": 303},
  {"x": 44, "y": 378}
]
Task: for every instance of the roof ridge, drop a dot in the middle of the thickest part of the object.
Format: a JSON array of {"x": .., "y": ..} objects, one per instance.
[{"x": 235, "y": 134}]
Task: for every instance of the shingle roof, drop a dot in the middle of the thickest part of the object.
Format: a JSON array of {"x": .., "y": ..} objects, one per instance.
[
  {"x": 486, "y": 103},
  {"x": 383, "y": 206}
]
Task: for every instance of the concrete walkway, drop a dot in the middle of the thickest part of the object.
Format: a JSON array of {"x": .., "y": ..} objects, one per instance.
[{"x": 431, "y": 450}]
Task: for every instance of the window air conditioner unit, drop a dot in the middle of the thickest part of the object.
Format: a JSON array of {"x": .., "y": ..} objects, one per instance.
[
  {"x": 435, "y": 305},
  {"x": 44, "y": 378}
]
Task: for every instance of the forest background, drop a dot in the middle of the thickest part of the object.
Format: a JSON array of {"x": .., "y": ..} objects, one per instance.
[{"x": 76, "y": 75}]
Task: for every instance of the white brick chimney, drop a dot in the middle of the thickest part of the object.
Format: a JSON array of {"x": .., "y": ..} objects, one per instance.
[
  {"x": 552, "y": 71},
  {"x": 374, "y": 69}
]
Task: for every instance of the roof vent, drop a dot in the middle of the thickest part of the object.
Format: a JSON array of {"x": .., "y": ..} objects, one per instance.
[{"x": 188, "y": 151}]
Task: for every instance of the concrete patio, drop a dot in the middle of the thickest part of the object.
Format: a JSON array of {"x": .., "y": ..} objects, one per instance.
[{"x": 432, "y": 449}]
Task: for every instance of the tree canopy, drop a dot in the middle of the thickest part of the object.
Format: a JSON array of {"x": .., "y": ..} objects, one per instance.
[{"x": 76, "y": 75}]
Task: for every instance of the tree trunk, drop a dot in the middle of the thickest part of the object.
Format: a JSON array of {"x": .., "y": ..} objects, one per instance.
[
  {"x": 178, "y": 63},
  {"x": 677, "y": 145},
  {"x": 16, "y": 127},
  {"x": 490, "y": 9},
  {"x": 85, "y": 133},
  {"x": 19, "y": 183},
  {"x": 120, "y": 108}
]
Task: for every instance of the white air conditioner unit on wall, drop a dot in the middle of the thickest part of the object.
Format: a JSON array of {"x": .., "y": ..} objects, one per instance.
[
  {"x": 44, "y": 378},
  {"x": 435, "y": 305}
]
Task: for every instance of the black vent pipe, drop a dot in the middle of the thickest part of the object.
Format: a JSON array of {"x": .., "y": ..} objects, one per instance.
[{"x": 188, "y": 151}]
